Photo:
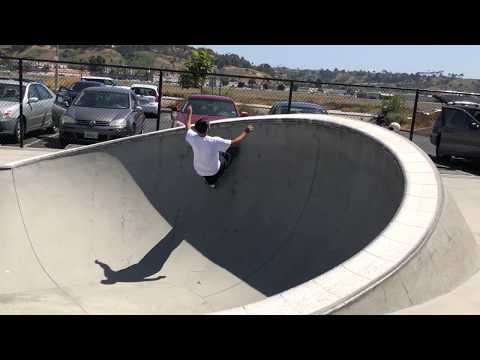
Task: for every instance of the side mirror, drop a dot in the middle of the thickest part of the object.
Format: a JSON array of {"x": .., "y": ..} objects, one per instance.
[
  {"x": 33, "y": 100},
  {"x": 66, "y": 103},
  {"x": 138, "y": 108},
  {"x": 243, "y": 114}
]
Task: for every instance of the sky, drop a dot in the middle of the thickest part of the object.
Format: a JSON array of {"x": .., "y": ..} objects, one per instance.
[{"x": 456, "y": 59}]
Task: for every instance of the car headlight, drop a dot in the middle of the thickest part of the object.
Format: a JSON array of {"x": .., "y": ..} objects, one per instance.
[
  {"x": 67, "y": 119},
  {"x": 120, "y": 123}
]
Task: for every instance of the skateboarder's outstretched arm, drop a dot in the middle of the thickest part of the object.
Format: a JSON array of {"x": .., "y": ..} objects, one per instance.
[
  {"x": 243, "y": 135},
  {"x": 188, "y": 123}
]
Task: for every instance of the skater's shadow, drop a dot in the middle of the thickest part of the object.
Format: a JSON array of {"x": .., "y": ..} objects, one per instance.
[{"x": 151, "y": 264}]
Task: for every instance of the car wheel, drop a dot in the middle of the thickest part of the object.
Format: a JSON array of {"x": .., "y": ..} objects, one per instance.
[
  {"x": 63, "y": 142},
  {"x": 440, "y": 157},
  {"x": 51, "y": 129}
]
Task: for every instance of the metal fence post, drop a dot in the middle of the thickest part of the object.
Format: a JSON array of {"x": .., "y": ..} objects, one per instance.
[
  {"x": 56, "y": 68},
  {"x": 20, "y": 100},
  {"x": 160, "y": 93},
  {"x": 414, "y": 115},
  {"x": 290, "y": 96}
]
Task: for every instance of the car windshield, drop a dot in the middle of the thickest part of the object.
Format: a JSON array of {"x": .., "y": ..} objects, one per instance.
[
  {"x": 105, "y": 100},
  {"x": 302, "y": 110},
  {"x": 213, "y": 107},
  {"x": 10, "y": 92},
  {"x": 79, "y": 86},
  {"x": 144, "y": 91}
]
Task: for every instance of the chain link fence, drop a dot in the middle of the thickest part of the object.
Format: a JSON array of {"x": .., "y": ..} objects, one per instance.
[{"x": 162, "y": 93}]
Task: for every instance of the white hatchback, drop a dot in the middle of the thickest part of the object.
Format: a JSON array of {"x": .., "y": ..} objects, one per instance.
[{"x": 147, "y": 96}]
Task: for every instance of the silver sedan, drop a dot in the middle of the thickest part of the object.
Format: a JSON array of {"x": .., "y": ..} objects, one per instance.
[
  {"x": 101, "y": 113},
  {"x": 37, "y": 107}
]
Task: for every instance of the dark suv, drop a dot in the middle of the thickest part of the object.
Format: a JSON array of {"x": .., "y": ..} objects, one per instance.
[{"x": 456, "y": 131}]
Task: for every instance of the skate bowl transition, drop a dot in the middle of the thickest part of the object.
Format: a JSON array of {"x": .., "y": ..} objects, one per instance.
[{"x": 317, "y": 215}]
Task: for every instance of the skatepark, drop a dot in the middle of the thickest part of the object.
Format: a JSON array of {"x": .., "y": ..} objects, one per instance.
[{"x": 318, "y": 214}]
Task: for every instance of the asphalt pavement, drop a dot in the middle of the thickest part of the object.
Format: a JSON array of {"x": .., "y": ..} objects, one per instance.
[
  {"x": 454, "y": 167},
  {"x": 41, "y": 139}
]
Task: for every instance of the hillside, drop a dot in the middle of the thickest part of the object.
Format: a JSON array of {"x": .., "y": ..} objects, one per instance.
[{"x": 173, "y": 56}]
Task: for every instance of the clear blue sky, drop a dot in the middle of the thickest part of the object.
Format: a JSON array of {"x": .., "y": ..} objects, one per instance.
[{"x": 395, "y": 58}]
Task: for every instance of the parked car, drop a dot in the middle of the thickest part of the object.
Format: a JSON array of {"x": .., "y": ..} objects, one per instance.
[
  {"x": 148, "y": 97},
  {"x": 66, "y": 96},
  {"x": 37, "y": 107},
  {"x": 208, "y": 107},
  {"x": 297, "y": 107},
  {"x": 456, "y": 131},
  {"x": 101, "y": 113},
  {"x": 103, "y": 80}
]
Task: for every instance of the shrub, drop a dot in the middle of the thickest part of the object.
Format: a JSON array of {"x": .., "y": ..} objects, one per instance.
[{"x": 395, "y": 109}]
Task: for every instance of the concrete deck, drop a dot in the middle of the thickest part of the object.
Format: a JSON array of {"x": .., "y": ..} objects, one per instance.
[
  {"x": 13, "y": 154},
  {"x": 465, "y": 299},
  {"x": 284, "y": 232}
]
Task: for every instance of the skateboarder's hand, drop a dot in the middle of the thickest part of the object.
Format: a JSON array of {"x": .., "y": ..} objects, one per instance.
[{"x": 249, "y": 129}]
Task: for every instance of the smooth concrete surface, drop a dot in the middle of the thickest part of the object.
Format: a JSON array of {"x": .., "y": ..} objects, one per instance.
[
  {"x": 449, "y": 258},
  {"x": 465, "y": 299},
  {"x": 314, "y": 214},
  {"x": 12, "y": 154}
]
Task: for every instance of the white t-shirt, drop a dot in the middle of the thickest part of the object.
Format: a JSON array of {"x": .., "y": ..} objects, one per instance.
[{"x": 206, "y": 160}]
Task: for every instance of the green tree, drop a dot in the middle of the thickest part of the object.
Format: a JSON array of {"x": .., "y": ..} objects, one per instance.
[
  {"x": 93, "y": 61},
  {"x": 395, "y": 109},
  {"x": 199, "y": 63}
]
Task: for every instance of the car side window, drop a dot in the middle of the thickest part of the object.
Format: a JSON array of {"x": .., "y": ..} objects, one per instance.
[
  {"x": 456, "y": 119},
  {"x": 33, "y": 92},
  {"x": 44, "y": 94},
  {"x": 476, "y": 115}
]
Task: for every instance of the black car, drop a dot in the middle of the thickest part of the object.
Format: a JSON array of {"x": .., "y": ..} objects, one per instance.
[
  {"x": 456, "y": 131},
  {"x": 297, "y": 107}
]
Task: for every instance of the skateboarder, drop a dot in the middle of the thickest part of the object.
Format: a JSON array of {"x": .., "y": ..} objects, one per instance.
[{"x": 211, "y": 155}]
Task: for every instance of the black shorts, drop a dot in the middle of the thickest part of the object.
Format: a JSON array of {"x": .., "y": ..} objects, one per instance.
[{"x": 226, "y": 159}]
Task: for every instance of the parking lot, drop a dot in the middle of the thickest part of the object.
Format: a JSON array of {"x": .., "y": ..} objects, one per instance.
[
  {"x": 41, "y": 139},
  {"x": 455, "y": 167}
]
